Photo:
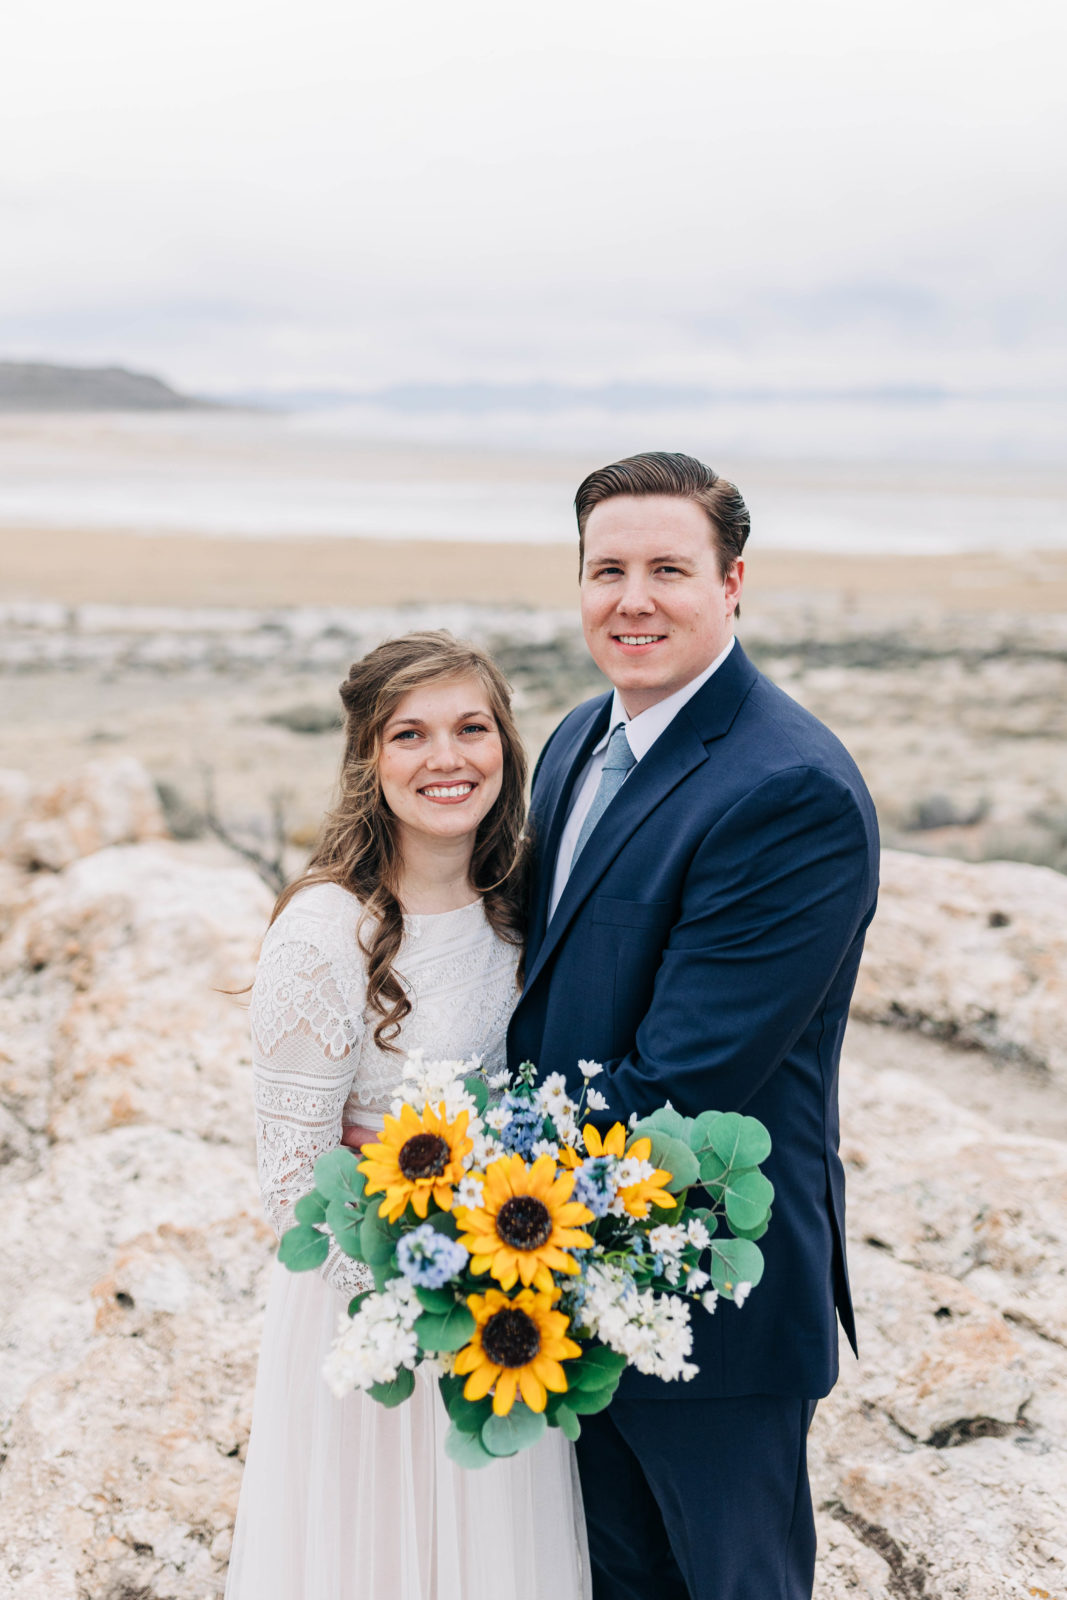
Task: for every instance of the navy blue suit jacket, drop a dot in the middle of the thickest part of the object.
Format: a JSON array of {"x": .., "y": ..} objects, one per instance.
[{"x": 704, "y": 950}]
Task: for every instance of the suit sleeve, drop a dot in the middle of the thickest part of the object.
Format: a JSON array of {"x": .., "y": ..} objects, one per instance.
[{"x": 775, "y": 897}]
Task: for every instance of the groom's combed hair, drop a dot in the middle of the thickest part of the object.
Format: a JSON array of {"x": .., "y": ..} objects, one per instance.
[{"x": 660, "y": 472}]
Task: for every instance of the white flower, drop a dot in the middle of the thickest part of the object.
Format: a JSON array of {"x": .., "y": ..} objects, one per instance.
[
  {"x": 668, "y": 1239},
  {"x": 695, "y": 1280},
  {"x": 545, "y": 1147},
  {"x": 596, "y": 1101},
  {"x": 497, "y": 1118},
  {"x": 697, "y": 1233},
  {"x": 500, "y": 1080},
  {"x": 589, "y": 1069},
  {"x": 377, "y": 1342},
  {"x": 742, "y": 1291},
  {"x": 566, "y": 1121},
  {"x": 486, "y": 1149},
  {"x": 651, "y": 1330},
  {"x": 469, "y": 1191},
  {"x": 710, "y": 1300},
  {"x": 632, "y": 1120},
  {"x": 442, "y": 1363}
]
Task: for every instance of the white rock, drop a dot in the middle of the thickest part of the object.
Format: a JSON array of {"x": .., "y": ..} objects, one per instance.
[
  {"x": 972, "y": 953},
  {"x": 104, "y": 803}
]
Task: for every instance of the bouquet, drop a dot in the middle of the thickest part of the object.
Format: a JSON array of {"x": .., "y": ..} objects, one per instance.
[{"x": 527, "y": 1258}]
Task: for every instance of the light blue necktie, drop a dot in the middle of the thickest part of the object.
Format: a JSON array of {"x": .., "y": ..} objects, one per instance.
[{"x": 619, "y": 760}]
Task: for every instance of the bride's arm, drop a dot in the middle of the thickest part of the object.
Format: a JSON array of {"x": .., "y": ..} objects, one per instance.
[{"x": 306, "y": 1016}]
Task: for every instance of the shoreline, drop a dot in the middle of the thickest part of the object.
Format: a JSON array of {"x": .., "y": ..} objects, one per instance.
[{"x": 117, "y": 567}]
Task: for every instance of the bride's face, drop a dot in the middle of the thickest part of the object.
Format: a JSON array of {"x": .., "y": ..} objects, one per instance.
[{"x": 442, "y": 761}]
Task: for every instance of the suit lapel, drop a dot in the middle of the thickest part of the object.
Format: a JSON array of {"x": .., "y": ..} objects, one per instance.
[
  {"x": 551, "y": 802},
  {"x": 680, "y": 749}
]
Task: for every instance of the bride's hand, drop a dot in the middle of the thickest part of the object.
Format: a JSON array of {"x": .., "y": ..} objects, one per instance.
[{"x": 355, "y": 1136}]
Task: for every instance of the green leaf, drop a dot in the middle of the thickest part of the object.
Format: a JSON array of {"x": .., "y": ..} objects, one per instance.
[
  {"x": 700, "y": 1130},
  {"x": 439, "y": 1301},
  {"x": 598, "y": 1355},
  {"x": 579, "y": 1376},
  {"x": 712, "y": 1169},
  {"x": 451, "y": 1389},
  {"x": 752, "y": 1233},
  {"x": 506, "y": 1436},
  {"x": 740, "y": 1141},
  {"x": 587, "y": 1401},
  {"x": 471, "y": 1415},
  {"x": 735, "y": 1261},
  {"x": 354, "y": 1304},
  {"x": 450, "y": 1332},
  {"x": 376, "y": 1242},
  {"x": 444, "y": 1222},
  {"x": 476, "y": 1086},
  {"x": 677, "y": 1159},
  {"x": 466, "y": 1449},
  {"x": 663, "y": 1120},
  {"x": 311, "y": 1208},
  {"x": 567, "y": 1423},
  {"x": 748, "y": 1198},
  {"x": 303, "y": 1248},
  {"x": 395, "y": 1393},
  {"x": 337, "y": 1175},
  {"x": 384, "y": 1272},
  {"x": 346, "y": 1225}
]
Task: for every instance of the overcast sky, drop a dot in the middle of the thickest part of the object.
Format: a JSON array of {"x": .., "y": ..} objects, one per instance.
[{"x": 338, "y": 193}]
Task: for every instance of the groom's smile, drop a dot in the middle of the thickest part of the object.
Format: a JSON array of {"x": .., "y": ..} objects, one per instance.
[{"x": 656, "y": 608}]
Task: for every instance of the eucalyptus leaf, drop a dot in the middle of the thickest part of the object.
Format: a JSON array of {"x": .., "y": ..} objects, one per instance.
[
  {"x": 588, "y": 1401},
  {"x": 376, "y": 1242},
  {"x": 567, "y": 1423},
  {"x": 337, "y": 1175},
  {"x": 748, "y": 1199},
  {"x": 700, "y": 1130},
  {"x": 443, "y": 1222},
  {"x": 752, "y": 1233},
  {"x": 396, "y": 1392},
  {"x": 311, "y": 1207},
  {"x": 712, "y": 1170},
  {"x": 598, "y": 1355},
  {"x": 471, "y": 1415},
  {"x": 346, "y": 1225},
  {"x": 384, "y": 1272},
  {"x": 506, "y": 1436},
  {"x": 664, "y": 1120},
  {"x": 451, "y": 1389},
  {"x": 356, "y": 1302},
  {"x": 735, "y": 1261},
  {"x": 478, "y": 1089},
  {"x": 677, "y": 1159},
  {"x": 303, "y": 1248},
  {"x": 436, "y": 1300},
  {"x": 587, "y": 1379},
  {"x": 740, "y": 1141},
  {"x": 466, "y": 1449},
  {"x": 450, "y": 1332}
]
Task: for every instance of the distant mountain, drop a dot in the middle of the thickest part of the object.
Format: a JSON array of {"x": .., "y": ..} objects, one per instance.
[{"x": 38, "y": 386}]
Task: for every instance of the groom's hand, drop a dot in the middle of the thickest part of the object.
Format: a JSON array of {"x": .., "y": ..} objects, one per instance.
[{"x": 356, "y": 1136}]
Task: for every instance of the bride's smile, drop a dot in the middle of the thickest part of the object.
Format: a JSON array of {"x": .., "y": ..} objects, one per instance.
[{"x": 441, "y": 760}]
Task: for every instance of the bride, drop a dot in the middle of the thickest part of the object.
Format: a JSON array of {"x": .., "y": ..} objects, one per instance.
[{"x": 403, "y": 934}]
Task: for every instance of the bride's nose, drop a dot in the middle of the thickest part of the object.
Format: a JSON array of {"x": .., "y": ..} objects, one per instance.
[{"x": 443, "y": 754}]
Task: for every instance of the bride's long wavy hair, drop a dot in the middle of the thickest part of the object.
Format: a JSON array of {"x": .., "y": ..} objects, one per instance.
[{"x": 358, "y": 845}]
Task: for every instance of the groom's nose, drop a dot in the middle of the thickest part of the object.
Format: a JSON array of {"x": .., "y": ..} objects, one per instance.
[{"x": 635, "y": 598}]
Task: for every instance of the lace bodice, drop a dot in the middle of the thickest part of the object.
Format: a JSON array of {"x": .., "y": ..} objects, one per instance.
[{"x": 315, "y": 1063}]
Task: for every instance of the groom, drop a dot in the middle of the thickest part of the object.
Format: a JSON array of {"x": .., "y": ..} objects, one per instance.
[{"x": 705, "y": 869}]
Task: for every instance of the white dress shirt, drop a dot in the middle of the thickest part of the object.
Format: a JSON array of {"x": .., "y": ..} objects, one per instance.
[{"x": 642, "y": 732}]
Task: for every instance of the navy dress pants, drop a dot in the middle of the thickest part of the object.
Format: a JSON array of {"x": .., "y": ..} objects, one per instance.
[{"x": 700, "y": 1499}]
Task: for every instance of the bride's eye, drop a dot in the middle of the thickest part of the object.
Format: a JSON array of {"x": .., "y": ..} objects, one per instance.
[{"x": 474, "y": 727}]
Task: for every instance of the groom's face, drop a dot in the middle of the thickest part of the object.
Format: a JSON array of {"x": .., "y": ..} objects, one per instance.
[{"x": 656, "y": 609}]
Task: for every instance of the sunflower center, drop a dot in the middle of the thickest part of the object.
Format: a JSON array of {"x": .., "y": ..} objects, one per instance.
[
  {"x": 424, "y": 1156},
  {"x": 524, "y": 1222},
  {"x": 511, "y": 1338}
]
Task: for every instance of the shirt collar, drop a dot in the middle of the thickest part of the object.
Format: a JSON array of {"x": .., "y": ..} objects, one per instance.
[{"x": 643, "y": 730}]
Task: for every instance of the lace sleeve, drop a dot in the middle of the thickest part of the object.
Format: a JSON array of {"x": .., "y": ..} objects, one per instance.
[{"x": 306, "y": 1015}]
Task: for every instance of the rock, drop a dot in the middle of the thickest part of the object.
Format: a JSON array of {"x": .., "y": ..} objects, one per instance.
[
  {"x": 15, "y": 791},
  {"x": 106, "y": 802},
  {"x": 975, "y": 954}
]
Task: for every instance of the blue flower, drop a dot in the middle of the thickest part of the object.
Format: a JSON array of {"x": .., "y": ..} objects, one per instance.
[
  {"x": 524, "y": 1125},
  {"x": 429, "y": 1259},
  {"x": 594, "y": 1185}
]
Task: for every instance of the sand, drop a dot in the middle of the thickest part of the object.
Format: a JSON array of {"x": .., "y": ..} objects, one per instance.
[{"x": 77, "y": 566}]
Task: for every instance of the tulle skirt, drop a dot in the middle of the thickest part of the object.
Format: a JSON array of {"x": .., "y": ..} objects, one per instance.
[{"x": 348, "y": 1500}]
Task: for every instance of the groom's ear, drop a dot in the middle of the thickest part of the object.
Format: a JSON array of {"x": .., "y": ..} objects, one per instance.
[{"x": 733, "y": 583}]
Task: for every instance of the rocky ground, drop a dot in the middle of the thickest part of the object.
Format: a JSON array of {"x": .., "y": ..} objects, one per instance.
[{"x": 134, "y": 1258}]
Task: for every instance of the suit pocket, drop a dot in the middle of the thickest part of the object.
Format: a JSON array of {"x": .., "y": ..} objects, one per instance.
[{"x": 623, "y": 914}]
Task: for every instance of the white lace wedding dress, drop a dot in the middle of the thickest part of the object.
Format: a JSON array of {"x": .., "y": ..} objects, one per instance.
[{"x": 344, "y": 1499}]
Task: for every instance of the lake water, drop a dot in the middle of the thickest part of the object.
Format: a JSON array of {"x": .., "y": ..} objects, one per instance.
[{"x": 843, "y": 475}]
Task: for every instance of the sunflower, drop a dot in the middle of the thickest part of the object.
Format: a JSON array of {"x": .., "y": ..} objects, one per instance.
[
  {"x": 419, "y": 1155},
  {"x": 525, "y": 1224},
  {"x": 636, "y": 1197},
  {"x": 518, "y": 1344}
]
